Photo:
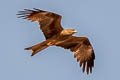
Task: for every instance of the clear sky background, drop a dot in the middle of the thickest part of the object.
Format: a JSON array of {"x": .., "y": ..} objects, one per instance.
[{"x": 97, "y": 19}]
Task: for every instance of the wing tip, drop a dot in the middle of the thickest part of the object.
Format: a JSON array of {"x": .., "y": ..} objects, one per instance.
[{"x": 28, "y": 12}]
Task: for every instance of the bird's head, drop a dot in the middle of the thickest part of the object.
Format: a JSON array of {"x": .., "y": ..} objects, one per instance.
[{"x": 68, "y": 31}]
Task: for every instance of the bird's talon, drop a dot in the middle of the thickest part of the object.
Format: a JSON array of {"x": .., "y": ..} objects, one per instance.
[{"x": 49, "y": 43}]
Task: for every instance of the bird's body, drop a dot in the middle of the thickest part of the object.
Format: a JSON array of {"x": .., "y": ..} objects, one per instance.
[{"x": 50, "y": 24}]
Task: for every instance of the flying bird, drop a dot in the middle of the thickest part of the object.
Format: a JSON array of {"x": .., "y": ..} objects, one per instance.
[{"x": 56, "y": 35}]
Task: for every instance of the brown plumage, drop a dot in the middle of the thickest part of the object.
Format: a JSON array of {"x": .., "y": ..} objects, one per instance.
[{"x": 50, "y": 24}]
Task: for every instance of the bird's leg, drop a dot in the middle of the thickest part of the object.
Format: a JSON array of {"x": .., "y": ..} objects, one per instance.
[{"x": 51, "y": 42}]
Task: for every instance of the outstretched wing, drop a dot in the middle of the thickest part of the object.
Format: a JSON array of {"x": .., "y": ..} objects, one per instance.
[
  {"x": 50, "y": 23},
  {"x": 83, "y": 51}
]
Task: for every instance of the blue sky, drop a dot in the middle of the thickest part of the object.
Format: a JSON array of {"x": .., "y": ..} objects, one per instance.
[{"x": 97, "y": 19}]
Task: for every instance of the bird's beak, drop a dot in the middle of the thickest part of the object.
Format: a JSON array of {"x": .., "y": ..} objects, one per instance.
[{"x": 74, "y": 31}]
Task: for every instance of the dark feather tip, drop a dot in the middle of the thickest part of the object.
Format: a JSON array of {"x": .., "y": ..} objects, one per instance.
[
  {"x": 28, "y": 48},
  {"x": 28, "y": 10}
]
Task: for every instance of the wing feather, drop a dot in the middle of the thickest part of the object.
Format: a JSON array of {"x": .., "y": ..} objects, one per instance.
[
  {"x": 83, "y": 51},
  {"x": 50, "y": 23}
]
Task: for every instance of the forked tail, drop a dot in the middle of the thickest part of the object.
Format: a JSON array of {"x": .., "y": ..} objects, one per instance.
[{"x": 38, "y": 47}]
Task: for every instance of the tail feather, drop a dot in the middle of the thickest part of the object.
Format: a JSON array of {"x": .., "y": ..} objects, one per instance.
[
  {"x": 29, "y": 48},
  {"x": 38, "y": 47}
]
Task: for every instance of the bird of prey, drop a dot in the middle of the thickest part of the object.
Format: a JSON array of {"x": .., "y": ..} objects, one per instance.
[{"x": 56, "y": 35}]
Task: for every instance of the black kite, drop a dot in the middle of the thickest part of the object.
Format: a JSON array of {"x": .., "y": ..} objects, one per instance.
[{"x": 50, "y": 24}]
